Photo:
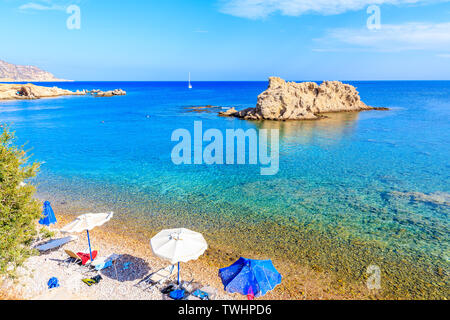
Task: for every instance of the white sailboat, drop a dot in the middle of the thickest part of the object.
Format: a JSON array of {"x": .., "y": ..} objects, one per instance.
[{"x": 190, "y": 86}]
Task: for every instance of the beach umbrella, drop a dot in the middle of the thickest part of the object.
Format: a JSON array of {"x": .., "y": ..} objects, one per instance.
[
  {"x": 87, "y": 222},
  {"x": 178, "y": 245},
  {"x": 49, "y": 216},
  {"x": 253, "y": 278}
]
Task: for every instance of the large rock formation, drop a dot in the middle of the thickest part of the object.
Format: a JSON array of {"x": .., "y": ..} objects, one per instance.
[
  {"x": 301, "y": 101},
  {"x": 15, "y": 73},
  {"x": 31, "y": 91}
]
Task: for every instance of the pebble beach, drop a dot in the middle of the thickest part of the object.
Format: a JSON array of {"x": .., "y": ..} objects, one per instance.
[{"x": 118, "y": 282}]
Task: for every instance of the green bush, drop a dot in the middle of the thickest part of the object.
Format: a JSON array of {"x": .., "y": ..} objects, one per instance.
[{"x": 18, "y": 208}]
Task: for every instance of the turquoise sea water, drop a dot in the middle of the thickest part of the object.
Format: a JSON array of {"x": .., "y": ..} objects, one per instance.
[{"x": 354, "y": 189}]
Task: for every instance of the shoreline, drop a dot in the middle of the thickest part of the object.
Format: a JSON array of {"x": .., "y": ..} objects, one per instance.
[
  {"x": 125, "y": 237},
  {"x": 314, "y": 263},
  {"x": 131, "y": 236},
  {"x": 34, "y": 274},
  {"x": 121, "y": 238}
]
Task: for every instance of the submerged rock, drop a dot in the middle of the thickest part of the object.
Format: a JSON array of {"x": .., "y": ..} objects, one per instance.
[
  {"x": 201, "y": 109},
  {"x": 438, "y": 198},
  {"x": 301, "y": 101}
]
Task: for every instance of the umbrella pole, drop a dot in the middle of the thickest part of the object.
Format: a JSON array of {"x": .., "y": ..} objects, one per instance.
[
  {"x": 90, "y": 250},
  {"x": 178, "y": 273}
]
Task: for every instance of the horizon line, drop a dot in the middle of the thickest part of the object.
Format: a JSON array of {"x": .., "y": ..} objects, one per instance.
[{"x": 196, "y": 81}]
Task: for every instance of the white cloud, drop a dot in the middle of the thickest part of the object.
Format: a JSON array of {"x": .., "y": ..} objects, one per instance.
[
  {"x": 39, "y": 7},
  {"x": 47, "y": 5},
  {"x": 444, "y": 55},
  {"x": 255, "y": 9},
  {"x": 408, "y": 36}
]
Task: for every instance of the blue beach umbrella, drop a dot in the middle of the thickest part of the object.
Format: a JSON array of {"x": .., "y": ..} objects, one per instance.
[
  {"x": 49, "y": 216},
  {"x": 250, "y": 277}
]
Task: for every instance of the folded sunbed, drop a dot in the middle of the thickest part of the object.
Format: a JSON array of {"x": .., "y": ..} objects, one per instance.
[{"x": 56, "y": 243}]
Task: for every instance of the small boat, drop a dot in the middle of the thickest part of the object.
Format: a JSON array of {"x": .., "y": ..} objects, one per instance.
[{"x": 190, "y": 86}]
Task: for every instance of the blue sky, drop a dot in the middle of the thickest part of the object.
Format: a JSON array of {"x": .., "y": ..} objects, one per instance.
[{"x": 229, "y": 39}]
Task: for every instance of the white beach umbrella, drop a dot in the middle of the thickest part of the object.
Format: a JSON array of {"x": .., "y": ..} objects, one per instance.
[
  {"x": 178, "y": 245},
  {"x": 87, "y": 222}
]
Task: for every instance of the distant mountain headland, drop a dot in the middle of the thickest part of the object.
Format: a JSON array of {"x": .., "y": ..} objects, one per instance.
[{"x": 16, "y": 73}]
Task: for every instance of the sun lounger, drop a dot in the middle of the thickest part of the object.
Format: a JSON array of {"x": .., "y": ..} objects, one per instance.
[
  {"x": 104, "y": 262},
  {"x": 72, "y": 255},
  {"x": 87, "y": 258},
  {"x": 56, "y": 243},
  {"x": 161, "y": 275},
  {"x": 158, "y": 277},
  {"x": 74, "y": 258}
]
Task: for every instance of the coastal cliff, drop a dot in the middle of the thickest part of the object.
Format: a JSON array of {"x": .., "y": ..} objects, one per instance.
[
  {"x": 301, "y": 101},
  {"x": 16, "y": 73}
]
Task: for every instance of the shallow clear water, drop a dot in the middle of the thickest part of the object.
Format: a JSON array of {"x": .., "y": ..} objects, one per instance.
[{"x": 346, "y": 179}]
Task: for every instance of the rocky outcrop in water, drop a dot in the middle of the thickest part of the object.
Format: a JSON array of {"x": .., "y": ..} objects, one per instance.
[
  {"x": 229, "y": 113},
  {"x": 31, "y": 91},
  {"x": 301, "y": 101},
  {"x": 110, "y": 93}
]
